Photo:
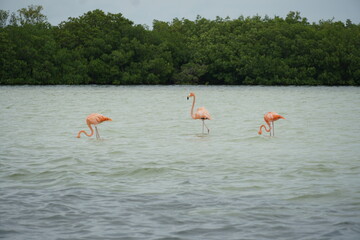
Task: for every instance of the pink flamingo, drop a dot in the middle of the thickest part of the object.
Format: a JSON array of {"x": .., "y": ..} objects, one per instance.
[
  {"x": 270, "y": 118},
  {"x": 94, "y": 119},
  {"x": 201, "y": 113}
]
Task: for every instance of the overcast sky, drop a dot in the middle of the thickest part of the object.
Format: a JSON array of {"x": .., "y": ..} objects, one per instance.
[{"x": 145, "y": 11}]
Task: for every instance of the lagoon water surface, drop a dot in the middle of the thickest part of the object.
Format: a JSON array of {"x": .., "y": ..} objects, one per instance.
[{"x": 153, "y": 175}]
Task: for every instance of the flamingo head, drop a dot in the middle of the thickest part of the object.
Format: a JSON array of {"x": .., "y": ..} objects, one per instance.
[
  {"x": 190, "y": 95},
  {"x": 277, "y": 117}
]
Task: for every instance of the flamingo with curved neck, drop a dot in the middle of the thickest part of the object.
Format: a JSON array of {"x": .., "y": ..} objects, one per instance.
[
  {"x": 201, "y": 113},
  {"x": 94, "y": 119},
  {"x": 270, "y": 118}
]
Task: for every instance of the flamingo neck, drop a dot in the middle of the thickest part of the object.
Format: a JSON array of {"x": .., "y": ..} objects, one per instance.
[
  {"x": 263, "y": 126},
  {"x": 89, "y": 135},
  {"x": 192, "y": 108}
]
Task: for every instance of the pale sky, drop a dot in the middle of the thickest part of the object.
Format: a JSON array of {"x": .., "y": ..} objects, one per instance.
[{"x": 145, "y": 11}]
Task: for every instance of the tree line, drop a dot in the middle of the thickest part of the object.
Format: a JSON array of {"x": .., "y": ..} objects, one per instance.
[{"x": 107, "y": 48}]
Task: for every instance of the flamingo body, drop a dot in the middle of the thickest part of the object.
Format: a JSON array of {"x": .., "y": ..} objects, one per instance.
[
  {"x": 270, "y": 118},
  {"x": 93, "y": 119},
  {"x": 201, "y": 113}
]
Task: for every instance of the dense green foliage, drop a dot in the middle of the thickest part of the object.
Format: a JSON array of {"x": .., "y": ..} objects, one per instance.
[{"x": 99, "y": 48}]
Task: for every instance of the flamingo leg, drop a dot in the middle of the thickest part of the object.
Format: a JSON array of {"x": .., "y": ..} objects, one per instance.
[
  {"x": 206, "y": 127},
  {"x": 203, "y": 123},
  {"x": 270, "y": 127},
  {"x": 273, "y": 129},
  {"x": 97, "y": 133}
]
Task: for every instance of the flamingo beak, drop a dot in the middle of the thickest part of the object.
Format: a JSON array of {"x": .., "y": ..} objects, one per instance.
[{"x": 187, "y": 98}]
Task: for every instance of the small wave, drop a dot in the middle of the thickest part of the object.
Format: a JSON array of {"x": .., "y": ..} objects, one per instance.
[
  {"x": 310, "y": 196},
  {"x": 254, "y": 137},
  {"x": 315, "y": 170},
  {"x": 185, "y": 182},
  {"x": 61, "y": 159},
  {"x": 145, "y": 172},
  {"x": 17, "y": 176},
  {"x": 335, "y": 234},
  {"x": 7, "y": 232},
  {"x": 117, "y": 152}
]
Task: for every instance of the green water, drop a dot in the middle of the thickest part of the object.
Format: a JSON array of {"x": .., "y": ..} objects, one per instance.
[{"x": 154, "y": 175}]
